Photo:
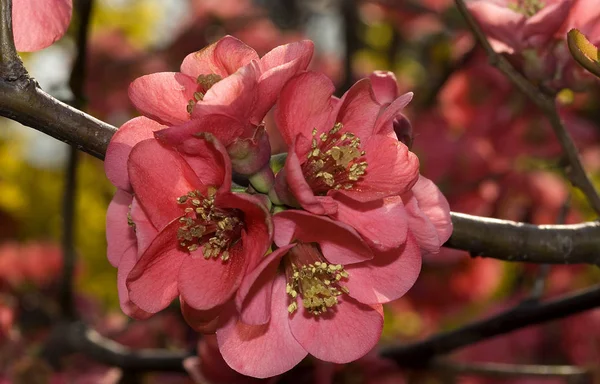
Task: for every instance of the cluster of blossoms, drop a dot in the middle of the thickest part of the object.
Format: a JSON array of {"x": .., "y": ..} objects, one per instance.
[
  {"x": 533, "y": 35},
  {"x": 279, "y": 258}
]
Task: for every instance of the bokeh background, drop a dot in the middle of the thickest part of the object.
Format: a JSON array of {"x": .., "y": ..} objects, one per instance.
[{"x": 489, "y": 150}]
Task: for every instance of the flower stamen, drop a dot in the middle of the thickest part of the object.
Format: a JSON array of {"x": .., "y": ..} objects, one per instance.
[
  {"x": 335, "y": 161},
  {"x": 204, "y": 224}
]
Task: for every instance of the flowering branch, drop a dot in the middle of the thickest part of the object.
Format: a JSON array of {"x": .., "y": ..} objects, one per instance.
[
  {"x": 545, "y": 103},
  {"x": 524, "y": 315}
]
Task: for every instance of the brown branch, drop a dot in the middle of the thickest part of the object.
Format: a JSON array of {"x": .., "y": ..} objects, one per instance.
[
  {"x": 530, "y": 313},
  {"x": 544, "y": 102},
  {"x": 11, "y": 66},
  {"x": 511, "y": 370},
  {"x": 520, "y": 242},
  {"x": 76, "y": 337}
]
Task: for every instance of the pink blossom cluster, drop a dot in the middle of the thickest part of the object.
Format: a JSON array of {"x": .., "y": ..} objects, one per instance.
[
  {"x": 533, "y": 33},
  {"x": 301, "y": 259}
]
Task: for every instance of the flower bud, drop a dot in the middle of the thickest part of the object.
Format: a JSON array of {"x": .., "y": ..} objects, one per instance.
[{"x": 249, "y": 155}]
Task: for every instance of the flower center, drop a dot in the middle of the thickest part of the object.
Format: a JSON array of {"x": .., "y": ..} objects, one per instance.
[
  {"x": 205, "y": 82},
  {"x": 204, "y": 224},
  {"x": 527, "y": 7},
  {"x": 316, "y": 281},
  {"x": 335, "y": 161}
]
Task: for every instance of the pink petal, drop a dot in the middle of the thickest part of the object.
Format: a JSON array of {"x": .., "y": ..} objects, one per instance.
[
  {"x": 253, "y": 299},
  {"x": 152, "y": 282},
  {"x": 339, "y": 243},
  {"x": 262, "y": 350},
  {"x": 295, "y": 181},
  {"x": 384, "y": 124},
  {"x": 222, "y": 58},
  {"x": 359, "y": 110},
  {"x": 305, "y": 103},
  {"x": 145, "y": 232},
  {"x": 39, "y": 23},
  {"x": 200, "y": 321},
  {"x": 231, "y": 100},
  {"x": 384, "y": 86},
  {"x": 499, "y": 22},
  {"x": 257, "y": 221},
  {"x": 127, "y": 306},
  {"x": 392, "y": 170},
  {"x": 119, "y": 148},
  {"x": 163, "y": 96},
  {"x": 159, "y": 176},
  {"x": 206, "y": 156},
  {"x": 345, "y": 333},
  {"x": 205, "y": 284},
  {"x": 382, "y": 223},
  {"x": 428, "y": 215},
  {"x": 388, "y": 276},
  {"x": 119, "y": 235},
  {"x": 277, "y": 67},
  {"x": 542, "y": 26}
]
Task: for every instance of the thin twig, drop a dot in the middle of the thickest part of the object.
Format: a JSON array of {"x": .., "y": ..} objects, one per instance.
[
  {"x": 420, "y": 353},
  {"x": 83, "y": 10},
  {"x": 509, "y": 370},
  {"x": 547, "y": 105},
  {"x": 65, "y": 296},
  {"x": 11, "y": 66}
]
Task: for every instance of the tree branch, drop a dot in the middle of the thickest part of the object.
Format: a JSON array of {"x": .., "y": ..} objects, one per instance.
[
  {"x": 512, "y": 241},
  {"x": 11, "y": 66},
  {"x": 76, "y": 337},
  {"x": 544, "y": 102},
  {"x": 510, "y": 370},
  {"x": 421, "y": 353}
]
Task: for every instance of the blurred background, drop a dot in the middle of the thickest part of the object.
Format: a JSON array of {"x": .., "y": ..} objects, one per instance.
[{"x": 489, "y": 150}]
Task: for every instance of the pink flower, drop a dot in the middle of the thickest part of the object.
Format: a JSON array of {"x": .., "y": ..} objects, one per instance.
[
  {"x": 39, "y": 23},
  {"x": 344, "y": 159},
  {"x": 173, "y": 227},
  {"x": 516, "y": 25},
  {"x": 224, "y": 89},
  {"x": 319, "y": 293}
]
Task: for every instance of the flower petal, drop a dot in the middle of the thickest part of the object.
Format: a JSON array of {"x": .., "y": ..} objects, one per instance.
[
  {"x": 39, "y": 23},
  {"x": 159, "y": 176},
  {"x": 388, "y": 276},
  {"x": 339, "y": 243},
  {"x": 295, "y": 181},
  {"x": 152, "y": 282},
  {"x": 385, "y": 86},
  {"x": 500, "y": 23},
  {"x": 222, "y": 58},
  {"x": 163, "y": 96},
  {"x": 127, "y": 306},
  {"x": 202, "y": 151},
  {"x": 428, "y": 215},
  {"x": 359, "y": 110},
  {"x": 276, "y": 68},
  {"x": 205, "y": 284},
  {"x": 200, "y": 321},
  {"x": 253, "y": 298},
  {"x": 385, "y": 121},
  {"x": 345, "y": 333},
  {"x": 119, "y": 148},
  {"x": 262, "y": 350},
  {"x": 542, "y": 26},
  {"x": 119, "y": 235},
  {"x": 382, "y": 223},
  {"x": 392, "y": 170},
  {"x": 305, "y": 103}
]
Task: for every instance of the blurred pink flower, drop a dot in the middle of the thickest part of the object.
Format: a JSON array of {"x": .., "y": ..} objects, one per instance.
[
  {"x": 319, "y": 293},
  {"x": 171, "y": 220},
  {"x": 39, "y": 23},
  {"x": 521, "y": 24}
]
